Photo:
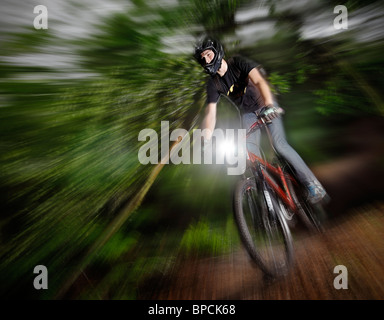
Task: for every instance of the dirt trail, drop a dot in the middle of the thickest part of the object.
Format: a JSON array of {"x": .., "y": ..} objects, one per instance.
[{"x": 357, "y": 242}]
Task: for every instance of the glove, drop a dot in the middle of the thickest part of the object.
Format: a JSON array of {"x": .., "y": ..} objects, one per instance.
[{"x": 269, "y": 113}]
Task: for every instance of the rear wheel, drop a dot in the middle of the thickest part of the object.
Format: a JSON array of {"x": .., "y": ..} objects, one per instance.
[{"x": 263, "y": 230}]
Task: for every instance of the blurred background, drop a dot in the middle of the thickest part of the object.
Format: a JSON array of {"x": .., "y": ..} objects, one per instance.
[{"x": 74, "y": 97}]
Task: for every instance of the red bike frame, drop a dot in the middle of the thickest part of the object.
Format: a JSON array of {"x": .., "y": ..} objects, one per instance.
[{"x": 284, "y": 193}]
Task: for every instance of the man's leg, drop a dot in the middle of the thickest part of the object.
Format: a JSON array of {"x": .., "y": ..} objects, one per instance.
[{"x": 304, "y": 174}]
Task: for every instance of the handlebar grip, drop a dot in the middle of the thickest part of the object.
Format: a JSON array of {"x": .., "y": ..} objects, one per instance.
[{"x": 260, "y": 121}]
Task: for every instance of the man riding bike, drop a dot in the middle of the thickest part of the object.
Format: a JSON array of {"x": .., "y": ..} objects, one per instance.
[{"x": 240, "y": 80}]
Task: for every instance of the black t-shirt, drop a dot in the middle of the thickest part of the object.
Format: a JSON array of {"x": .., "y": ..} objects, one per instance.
[{"x": 236, "y": 86}]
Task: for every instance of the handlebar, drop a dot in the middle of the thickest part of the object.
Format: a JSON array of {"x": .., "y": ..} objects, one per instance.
[{"x": 260, "y": 122}]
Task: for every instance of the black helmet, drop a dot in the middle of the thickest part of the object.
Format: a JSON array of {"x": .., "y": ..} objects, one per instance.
[{"x": 209, "y": 44}]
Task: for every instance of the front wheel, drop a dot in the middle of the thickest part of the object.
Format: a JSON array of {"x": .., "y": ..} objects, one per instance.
[{"x": 263, "y": 230}]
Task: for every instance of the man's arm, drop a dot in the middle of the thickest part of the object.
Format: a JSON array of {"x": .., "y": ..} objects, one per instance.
[
  {"x": 209, "y": 121},
  {"x": 259, "y": 81}
]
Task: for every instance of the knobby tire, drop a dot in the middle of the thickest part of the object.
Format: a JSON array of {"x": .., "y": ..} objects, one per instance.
[{"x": 258, "y": 215}]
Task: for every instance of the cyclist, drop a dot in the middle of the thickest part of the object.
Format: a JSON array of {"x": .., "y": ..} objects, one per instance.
[{"x": 241, "y": 81}]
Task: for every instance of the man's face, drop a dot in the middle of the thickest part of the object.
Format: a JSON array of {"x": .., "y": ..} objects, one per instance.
[{"x": 207, "y": 56}]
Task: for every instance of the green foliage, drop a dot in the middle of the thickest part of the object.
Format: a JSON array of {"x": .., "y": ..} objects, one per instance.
[
  {"x": 205, "y": 239},
  {"x": 331, "y": 100},
  {"x": 69, "y": 147},
  {"x": 279, "y": 83}
]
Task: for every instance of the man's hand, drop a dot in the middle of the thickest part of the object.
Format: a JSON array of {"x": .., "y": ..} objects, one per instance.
[{"x": 269, "y": 113}]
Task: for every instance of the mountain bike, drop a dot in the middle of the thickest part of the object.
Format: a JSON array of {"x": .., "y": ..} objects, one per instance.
[{"x": 266, "y": 201}]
